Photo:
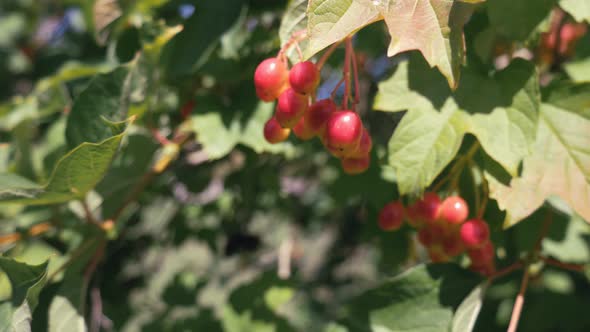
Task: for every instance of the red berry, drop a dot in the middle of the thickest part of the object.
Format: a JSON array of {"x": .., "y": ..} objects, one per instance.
[
  {"x": 474, "y": 233},
  {"x": 482, "y": 256},
  {"x": 391, "y": 216},
  {"x": 427, "y": 208},
  {"x": 568, "y": 37},
  {"x": 318, "y": 113},
  {"x": 414, "y": 219},
  {"x": 343, "y": 133},
  {"x": 426, "y": 237},
  {"x": 270, "y": 78},
  {"x": 302, "y": 130},
  {"x": 356, "y": 165},
  {"x": 274, "y": 133},
  {"x": 454, "y": 210},
  {"x": 365, "y": 145},
  {"x": 437, "y": 254},
  {"x": 290, "y": 108},
  {"x": 304, "y": 77},
  {"x": 452, "y": 245}
]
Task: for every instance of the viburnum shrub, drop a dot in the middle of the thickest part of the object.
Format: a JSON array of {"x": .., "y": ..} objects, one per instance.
[{"x": 301, "y": 165}]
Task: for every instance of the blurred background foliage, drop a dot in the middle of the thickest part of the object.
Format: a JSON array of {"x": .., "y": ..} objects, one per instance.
[{"x": 200, "y": 249}]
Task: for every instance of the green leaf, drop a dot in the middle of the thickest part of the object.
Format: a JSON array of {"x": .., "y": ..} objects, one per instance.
[
  {"x": 294, "y": 20},
  {"x": 503, "y": 108},
  {"x": 516, "y": 20},
  {"x": 573, "y": 246},
  {"x": 423, "y": 143},
  {"x": 579, "y": 9},
  {"x": 558, "y": 165},
  {"x": 579, "y": 70},
  {"x": 64, "y": 311},
  {"x": 13, "y": 185},
  {"x": 26, "y": 282},
  {"x": 441, "y": 32},
  {"x": 330, "y": 21},
  {"x": 422, "y": 299},
  {"x": 68, "y": 72},
  {"x": 507, "y": 133},
  {"x": 75, "y": 174},
  {"x": 190, "y": 49},
  {"x": 440, "y": 24},
  {"x": 103, "y": 101},
  {"x": 413, "y": 86},
  {"x": 466, "y": 315},
  {"x": 572, "y": 97},
  {"x": 219, "y": 137}
]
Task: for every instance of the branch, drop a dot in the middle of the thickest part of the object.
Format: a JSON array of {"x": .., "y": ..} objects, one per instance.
[
  {"x": 562, "y": 265},
  {"x": 517, "y": 309}
]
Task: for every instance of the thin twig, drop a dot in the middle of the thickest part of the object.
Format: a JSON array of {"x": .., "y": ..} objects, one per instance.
[
  {"x": 327, "y": 55},
  {"x": 517, "y": 309},
  {"x": 459, "y": 164},
  {"x": 96, "y": 310},
  {"x": 295, "y": 38},
  {"x": 562, "y": 265},
  {"x": 507, "y": 270},
  {"x": 346, "y": 74},
  {"x": 77, "y": 253},
  {"x": 481, "y": 209},
  {"x": 88, "y": 212},
  {"x": 335, "y": 90},
  {"x": 355, "y": 72}
]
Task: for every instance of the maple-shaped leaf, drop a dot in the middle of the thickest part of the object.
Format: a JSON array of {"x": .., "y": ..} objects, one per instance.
[
  {"x": 433, "y": 27},
  {"x": 559, "y": 165}
]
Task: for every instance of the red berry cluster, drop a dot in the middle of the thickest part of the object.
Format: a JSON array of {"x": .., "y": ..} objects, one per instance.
[
  {"x": 341, "y": 131},
  {"x": 443, "y": 229}
]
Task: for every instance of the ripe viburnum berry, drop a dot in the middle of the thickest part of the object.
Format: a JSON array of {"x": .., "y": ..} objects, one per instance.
[
  {"x": 454, "y": 210},
  {"x": 290, "y": 108},
  {"x": 271, "y": 79},
  {"x": 482, "y": 256},
  {"x": 304, "y": 77},
  {"x": 437, "y": 254},
  {"x": 427, "y": 208},
  {"x": 474, "y": 233},
  {"x": 274, "y": 133},
  {"x": 343, "y": 133},
  {"x": 391, "y": 216},
  {"x": 365, "y": 145},
  {"x": 426, "y": 237},
  {"x": 318, "y": 113},
  {"x": 302, "y": 130},
  {"x": 356, "y": 165},
  {"x": 452, "y": 245}
]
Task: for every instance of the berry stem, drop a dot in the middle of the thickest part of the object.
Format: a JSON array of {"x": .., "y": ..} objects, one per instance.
[
  {"x": 355, "y": 71},
  {"x": 454, "y": 172},
  {"x": 327, "y": 55},
  {"x": 481, "y": 209},
  {"x": 336, "y": 87},
  {"x": 299, "y": 51},
  {"x": 507, "y": 270},
  {"x": 295, "y": 39},
  {"x": 562, "y": 265},
  {"x": 346, "y": 72}
]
